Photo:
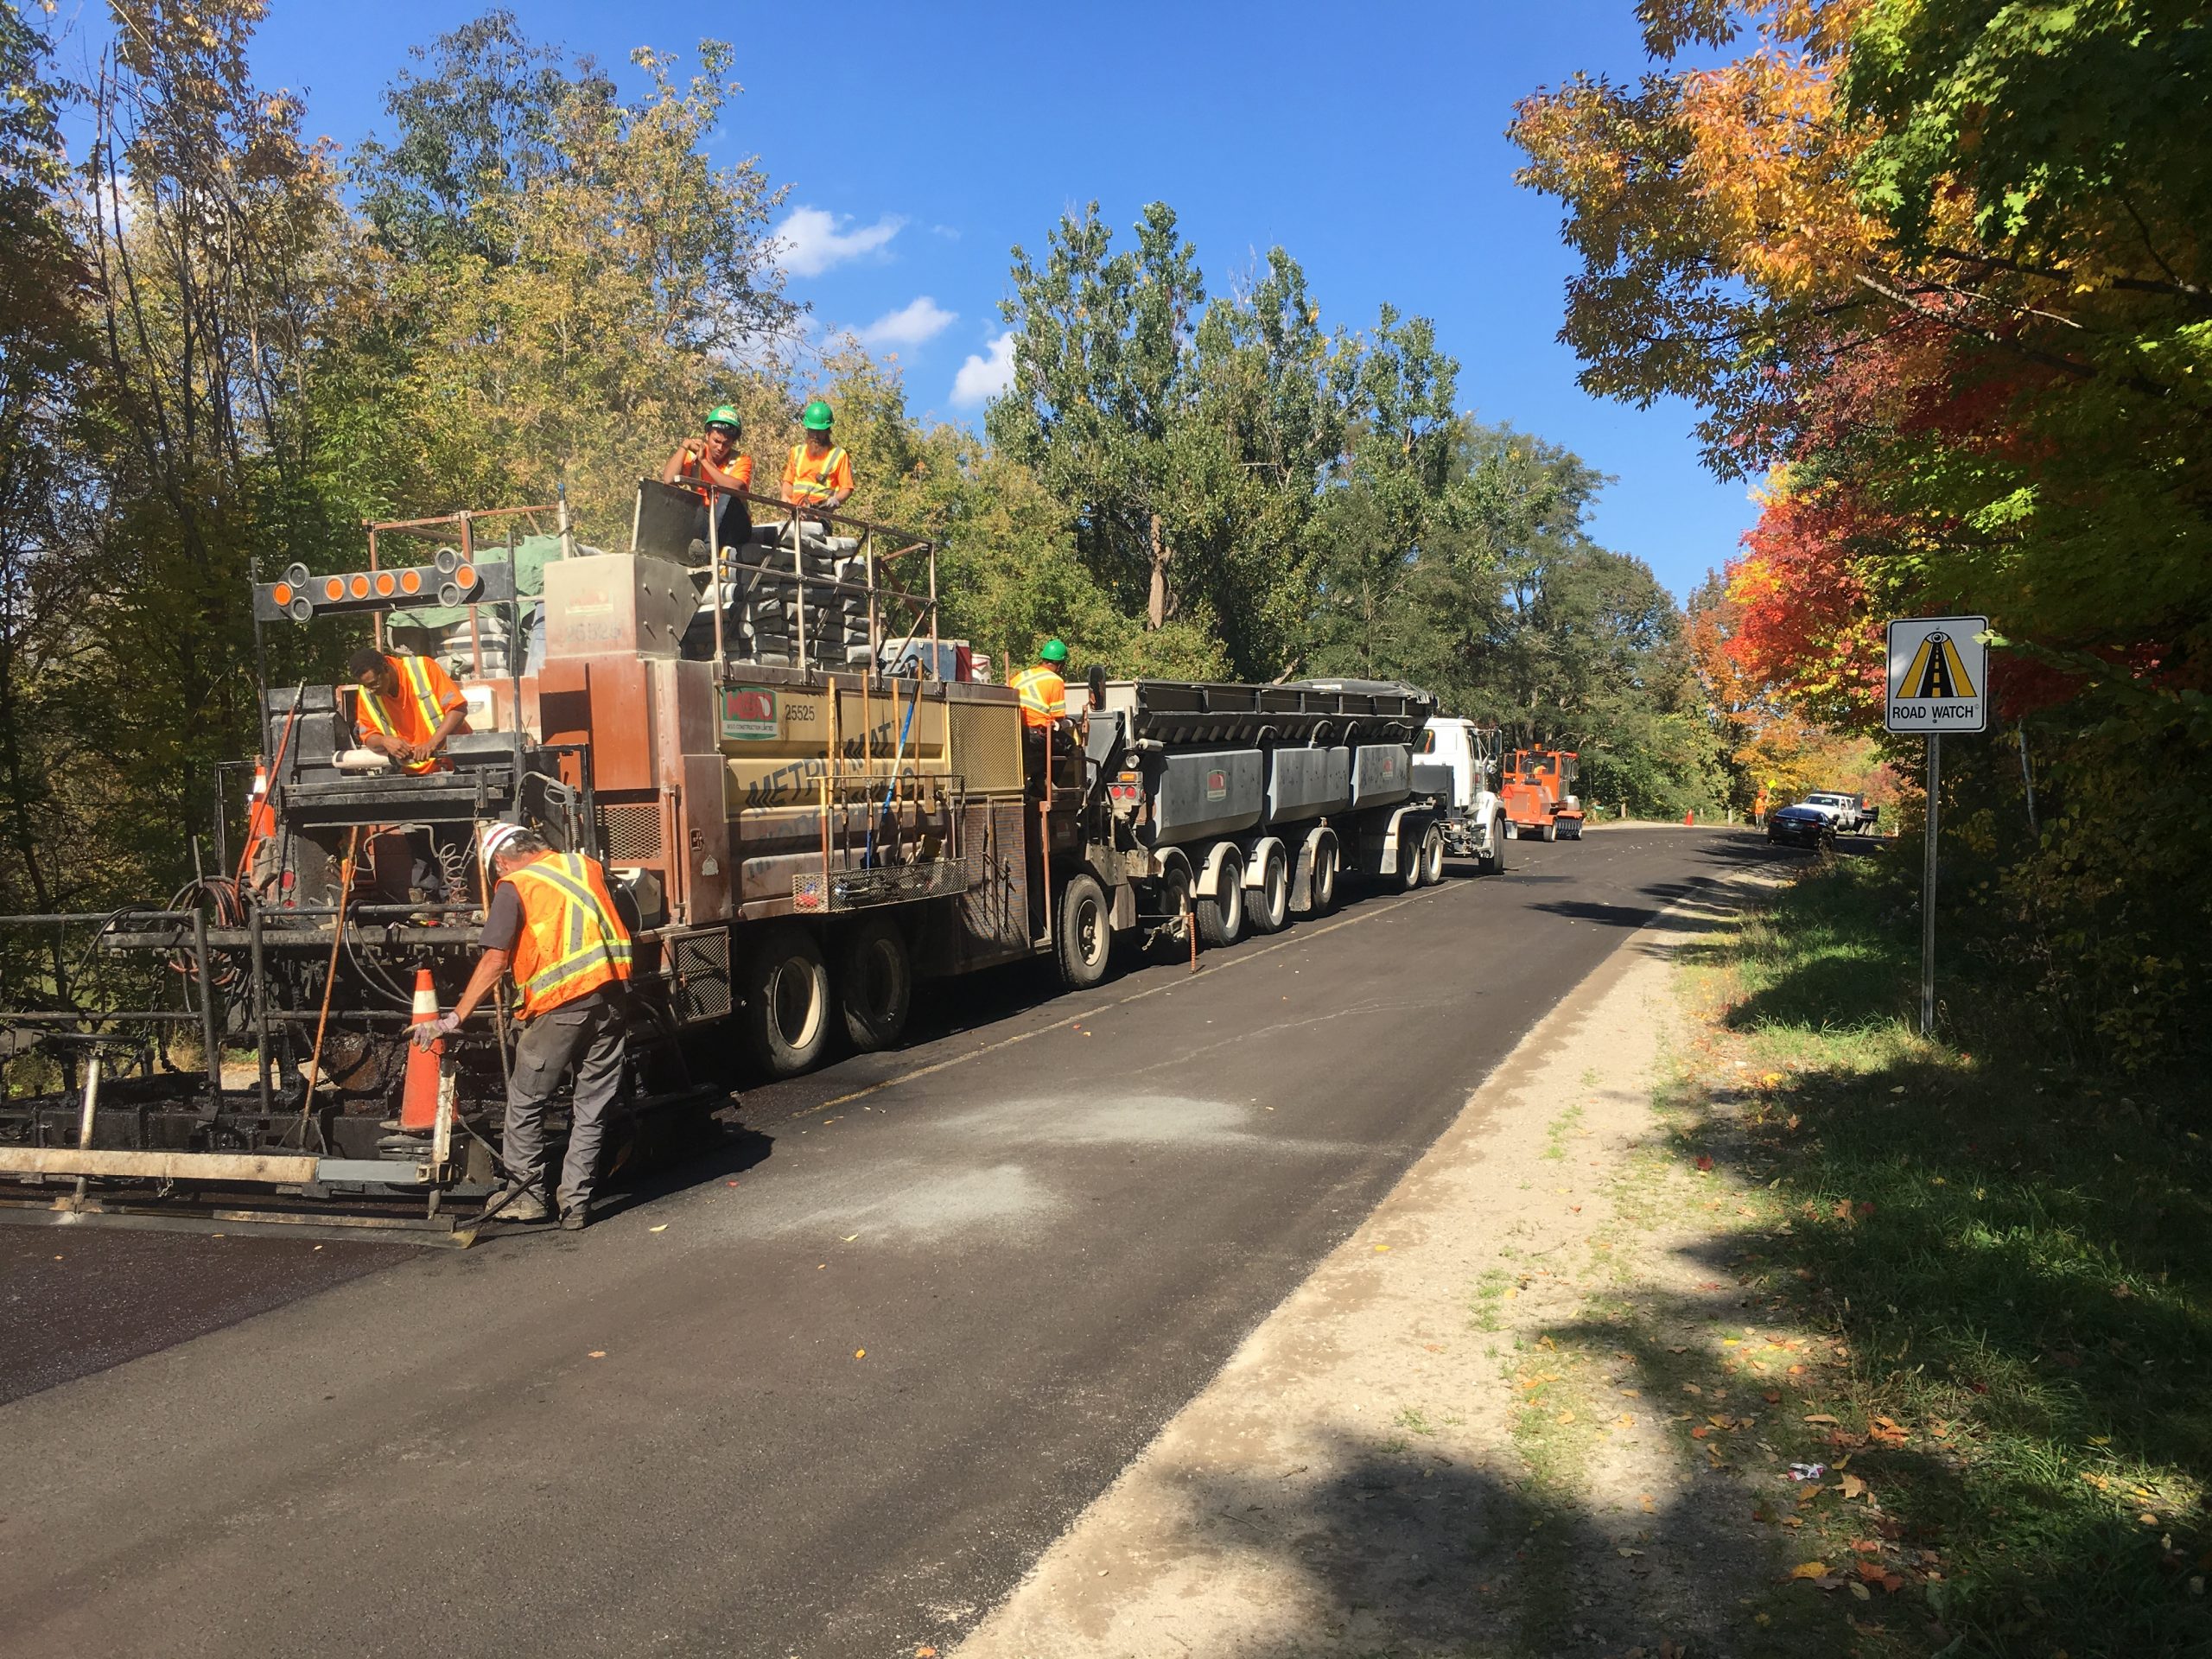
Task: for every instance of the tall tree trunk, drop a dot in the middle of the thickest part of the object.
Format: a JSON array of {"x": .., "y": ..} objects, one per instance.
[{"x": 1160, "y": 606}]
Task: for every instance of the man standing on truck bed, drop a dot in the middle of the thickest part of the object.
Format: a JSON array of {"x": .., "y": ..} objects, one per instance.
[
  {"x": 1044, "y": 693},
  {"x": 552, "y": 922},
  {"x": 710, "y": 463},
  {"x": 818, "y": 474}
]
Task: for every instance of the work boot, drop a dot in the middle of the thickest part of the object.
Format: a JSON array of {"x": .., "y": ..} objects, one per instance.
[
  {"x": 576, "y": 1217},
  {"x": 516, "y": 1204}
]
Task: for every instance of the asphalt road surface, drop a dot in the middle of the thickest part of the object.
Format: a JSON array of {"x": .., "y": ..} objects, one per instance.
[{"x": 828, "y": 1392}]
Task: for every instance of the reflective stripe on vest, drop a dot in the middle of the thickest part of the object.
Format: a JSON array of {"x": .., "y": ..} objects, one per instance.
[
  {"x": 819, "y": 486},
  {"x": 415, "y": 685},
  {"x": 572, "y": 943},
  {"x": 1044, "y": 695}
]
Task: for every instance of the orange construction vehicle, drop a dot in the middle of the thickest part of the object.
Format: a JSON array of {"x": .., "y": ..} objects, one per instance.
[{"x": 1537, "y": 794}]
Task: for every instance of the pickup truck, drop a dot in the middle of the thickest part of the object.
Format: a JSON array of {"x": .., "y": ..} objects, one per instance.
[{"x": 1849, "y": 813}]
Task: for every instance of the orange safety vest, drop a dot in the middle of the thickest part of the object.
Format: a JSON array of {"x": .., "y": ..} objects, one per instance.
[
  {"x": 694, "y": 473},
  {"x": 796, "y": 481},
  {"x": 1044, "y": 696},
  {"x": 571, "y": 942},
  {"x": 427, "y": 695}
]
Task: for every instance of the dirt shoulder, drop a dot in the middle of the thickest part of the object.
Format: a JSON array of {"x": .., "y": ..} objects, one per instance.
[{"x": 1477, "y": 1427}]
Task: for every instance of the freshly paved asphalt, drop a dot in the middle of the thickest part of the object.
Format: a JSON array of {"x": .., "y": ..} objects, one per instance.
[{"x": 827, "y": 1392}]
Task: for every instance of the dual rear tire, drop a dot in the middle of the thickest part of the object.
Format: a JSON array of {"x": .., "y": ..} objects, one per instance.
[
  {"x": 1221, "y": 915},
  {"x": 793, "y": 1003}
]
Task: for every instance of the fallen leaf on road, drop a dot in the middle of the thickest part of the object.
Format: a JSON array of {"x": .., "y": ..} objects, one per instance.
[
  {"x": 1819, "y": 1417},
  {"x": 924, "y": 1653},
  {"x": 849, "y": 1238},
  {"x": 596, "y": 1353},
  {"x": 1379, "y": 1249},
  {"x": 1809, "y": 1570},
  {"x": 1853, "y": 1487},
  {"x": 661, "y": 1229},
  {"x": 1887, "y": 1431},
  {"x": 859, "y": 1353}
]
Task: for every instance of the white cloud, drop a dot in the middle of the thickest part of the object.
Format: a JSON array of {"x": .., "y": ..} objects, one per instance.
[
  {"x": 982, "y": 378},
  {"x": 910, "y": 325},
  {"x": 810, "y": 241}
]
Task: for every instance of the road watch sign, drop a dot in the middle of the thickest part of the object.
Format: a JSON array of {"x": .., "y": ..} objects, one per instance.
[
  {"x": 1939, "y": 675},
  {"x": 1938, "y": 682}
]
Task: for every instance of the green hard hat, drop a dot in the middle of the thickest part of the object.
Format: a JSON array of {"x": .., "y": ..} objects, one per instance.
[
  {"x": 1053, "y": 650},
  {"x": 723, "y": 414},
  {"x": 816, "y": 417}
]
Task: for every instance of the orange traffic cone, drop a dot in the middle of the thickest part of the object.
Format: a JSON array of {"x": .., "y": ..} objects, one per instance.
[
  {"x": 418, "y": 1105},
  {"x": 1688, "y": 818}
]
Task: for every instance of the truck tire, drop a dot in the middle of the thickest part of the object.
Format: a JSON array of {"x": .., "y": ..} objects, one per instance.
[
  {"x": 876, "y": 985},
  {"x": 787, "y": 1018},
  {"x": 1431, "y": 855},
  {"x": 1322, "y": 888},
  {"x": 1493, "y": 862},
  {"x": 1083, "y": 939},
  {"x": 1548, "y": 831},
  {"x": 1268, "y": 904},
  {"x": 1409, "y": 862},
  {"x": 1221, "y": 917},
  {"x": 1173, "y": 895}
]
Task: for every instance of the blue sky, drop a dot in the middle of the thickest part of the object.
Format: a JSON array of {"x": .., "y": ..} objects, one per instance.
[{"x": 923, "y": 141}]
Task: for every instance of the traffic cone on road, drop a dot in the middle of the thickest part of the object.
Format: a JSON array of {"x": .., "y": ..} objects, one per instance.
[
  {"x": 418, "y": 1105},
  {"x": 1690, "y": 817}
]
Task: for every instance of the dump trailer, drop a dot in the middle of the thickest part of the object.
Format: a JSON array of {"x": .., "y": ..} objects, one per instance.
[{"x": 794, "y": 835}]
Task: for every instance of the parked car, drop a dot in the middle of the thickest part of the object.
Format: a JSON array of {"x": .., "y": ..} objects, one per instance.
[{"x": 1804, "y": 825}]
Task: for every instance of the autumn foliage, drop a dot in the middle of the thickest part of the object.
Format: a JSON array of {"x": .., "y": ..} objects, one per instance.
[{"x": 1937, "y": 268}]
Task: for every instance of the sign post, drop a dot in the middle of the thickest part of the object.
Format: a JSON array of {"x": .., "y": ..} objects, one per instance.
[{"x": 1938, "y": 682}]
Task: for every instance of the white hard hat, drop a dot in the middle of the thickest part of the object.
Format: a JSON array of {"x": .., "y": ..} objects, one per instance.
[{"x": 493, "y": 836}]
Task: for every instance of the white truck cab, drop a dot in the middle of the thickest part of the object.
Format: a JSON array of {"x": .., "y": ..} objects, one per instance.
[{"x": 1474, "y": 822}]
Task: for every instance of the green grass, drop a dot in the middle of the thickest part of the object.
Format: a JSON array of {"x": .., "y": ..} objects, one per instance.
[{"x": 2014, "y": 1261}]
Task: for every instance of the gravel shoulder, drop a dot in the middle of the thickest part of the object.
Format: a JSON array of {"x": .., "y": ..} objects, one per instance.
[{"x": 1464, "y": 1433}]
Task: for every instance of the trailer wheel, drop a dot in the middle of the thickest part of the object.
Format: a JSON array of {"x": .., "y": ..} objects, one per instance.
[
  {"x": 1267, "y": 906},
  {"x": 1548, "y": 831},
  {"x": 1409, "y": 863},
  {"x": 786, "y": 1001},
  {"x": 876, "y": 985},
  {"x": 1431, "y": 855},
  {"x": 1083, "y": 941},
  {"x": 1323, "y": 884},
  {"x": 1220, "y": 918}
]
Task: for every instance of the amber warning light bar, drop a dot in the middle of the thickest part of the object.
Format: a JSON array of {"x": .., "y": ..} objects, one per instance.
[{"x": 296, "y": 596}]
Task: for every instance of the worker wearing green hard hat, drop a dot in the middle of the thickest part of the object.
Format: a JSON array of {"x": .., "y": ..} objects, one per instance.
[
  {"x": 710, "y": 466},
  {"x": 1044, "y": 693},
  {"x": 817, "y": 475}
]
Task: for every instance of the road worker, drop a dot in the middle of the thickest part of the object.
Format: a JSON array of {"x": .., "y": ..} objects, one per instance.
[
  {"x": 711, "y": 463},
  {"x": 818, "y": 474},
  {"x": 552, "y": 924},
  {"x": 408, "y": 708},
  {"x": 1043, "y": 689}
]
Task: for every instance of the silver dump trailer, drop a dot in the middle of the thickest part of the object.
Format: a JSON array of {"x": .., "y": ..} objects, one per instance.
[{"x": 1240, "y": 805}]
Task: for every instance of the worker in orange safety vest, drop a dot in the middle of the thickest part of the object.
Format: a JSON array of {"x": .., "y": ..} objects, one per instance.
[
  {"x": 409, "y": 707},
  {"x": 711, "y": 468},
  {"x": 818, "y": 474},
  {"x": 552, "y": 924},
  {"x": 1044, "y": 693}
]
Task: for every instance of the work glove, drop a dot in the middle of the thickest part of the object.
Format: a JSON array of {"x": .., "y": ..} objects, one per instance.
[{"x": 444, "y": 1025}]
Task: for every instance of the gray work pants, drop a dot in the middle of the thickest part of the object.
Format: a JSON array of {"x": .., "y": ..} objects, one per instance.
[{"x": 586, "y": 1033}]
